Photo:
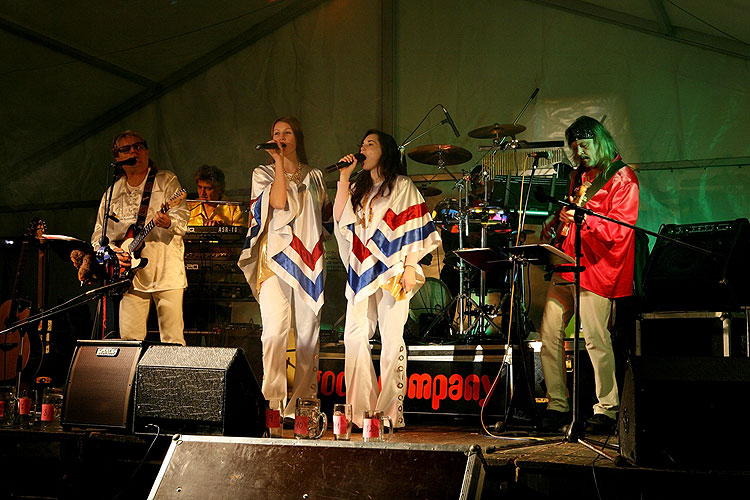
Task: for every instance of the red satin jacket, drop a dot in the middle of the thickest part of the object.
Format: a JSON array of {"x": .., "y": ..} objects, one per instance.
[{"x": 608, "y": 249}]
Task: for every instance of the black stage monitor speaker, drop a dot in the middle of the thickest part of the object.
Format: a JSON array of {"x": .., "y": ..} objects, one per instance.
[
  {"x": 198, "y": 390},
  {"x": 210, "y": 467},
  {"x": 682, "y": 279},
  {"x": 99, "y": 388},
  {"x": 685, "y": 413}
]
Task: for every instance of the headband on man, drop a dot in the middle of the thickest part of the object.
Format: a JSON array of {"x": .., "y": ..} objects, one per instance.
[{"x": 582, "y": 128}]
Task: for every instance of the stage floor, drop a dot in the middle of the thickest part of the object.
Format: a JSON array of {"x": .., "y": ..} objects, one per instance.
[{"x": 96, "y": 464}]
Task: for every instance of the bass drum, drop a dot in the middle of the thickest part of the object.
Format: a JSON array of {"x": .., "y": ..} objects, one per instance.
[{"x": 428, "y": 303}]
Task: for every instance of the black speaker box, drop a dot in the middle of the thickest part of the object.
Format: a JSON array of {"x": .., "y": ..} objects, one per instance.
[
  {"x": 682, "y": 279},
  {"x": 685, "y": 413},
  {"x": 197, "y": 390},
  {"x": 99, "y": 388}
]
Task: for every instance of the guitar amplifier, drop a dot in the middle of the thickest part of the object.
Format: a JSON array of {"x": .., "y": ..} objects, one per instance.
[{"x": 682, "y": 279}]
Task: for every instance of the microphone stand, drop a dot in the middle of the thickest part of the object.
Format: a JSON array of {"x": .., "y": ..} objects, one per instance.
[
  {"x": 69, "y": 304},
  {"x": 517, "y": 274},
  {"x": 107, "y": 257},
  {"x": 402, "y": 147}
]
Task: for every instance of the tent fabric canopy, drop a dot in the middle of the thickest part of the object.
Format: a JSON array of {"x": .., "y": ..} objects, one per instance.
[{"x": 203, "y": 81}]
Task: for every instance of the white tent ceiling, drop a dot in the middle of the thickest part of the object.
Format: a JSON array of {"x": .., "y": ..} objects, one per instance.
[{"x": 69, "y": 69}]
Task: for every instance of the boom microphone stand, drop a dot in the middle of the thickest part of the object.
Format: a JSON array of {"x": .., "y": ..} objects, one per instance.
[{"x": 575, "y": 432}]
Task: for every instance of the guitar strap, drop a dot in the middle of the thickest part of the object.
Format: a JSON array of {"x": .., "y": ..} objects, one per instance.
[
  {"x": 600, "y": 180},
  {"x": 145, "y": 199}
]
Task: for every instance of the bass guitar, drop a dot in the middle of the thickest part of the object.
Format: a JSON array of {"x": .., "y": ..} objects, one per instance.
[{"x": 133, "y": 242}]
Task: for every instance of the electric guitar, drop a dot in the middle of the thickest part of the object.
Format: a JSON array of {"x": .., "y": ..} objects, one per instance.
[
  {"x": 579, "y": 198},
  {"x": 17, "y": 309},
  {"x": 133, "y": 243}
]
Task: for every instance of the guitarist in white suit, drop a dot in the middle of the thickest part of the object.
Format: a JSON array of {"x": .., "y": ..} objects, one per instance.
[{"x": 144, "y": 190}]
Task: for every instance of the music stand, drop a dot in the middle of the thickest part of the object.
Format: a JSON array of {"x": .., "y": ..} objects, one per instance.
[
  {"x": 541, "y": 254},
  {"x": 486, "y": 260}
]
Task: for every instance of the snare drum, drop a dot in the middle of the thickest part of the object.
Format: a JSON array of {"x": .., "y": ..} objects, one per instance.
[{"x": 496, "y": 219}]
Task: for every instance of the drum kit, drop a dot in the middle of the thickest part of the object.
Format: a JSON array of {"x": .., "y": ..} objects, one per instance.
[{"x": 472, "y": 218}]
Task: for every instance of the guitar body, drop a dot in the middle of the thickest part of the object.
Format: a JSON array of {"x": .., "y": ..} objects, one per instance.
[
  {"x": 136, "y": 261},
  {"x": 10, "y": 342},
  {"x": 15, "y": 310},
  {"x": 134, "y": 240}
]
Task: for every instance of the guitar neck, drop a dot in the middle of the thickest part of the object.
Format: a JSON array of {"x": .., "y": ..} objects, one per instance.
[
  {"x": 138, "y": 240},
  {"x": 141, "y": 236}
]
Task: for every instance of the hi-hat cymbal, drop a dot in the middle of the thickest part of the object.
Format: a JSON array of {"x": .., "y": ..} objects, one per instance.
[
  {"x": 496, "y": 131},
  {"x": 428, "y": 191},
  {"x": 437, "y": 154}
]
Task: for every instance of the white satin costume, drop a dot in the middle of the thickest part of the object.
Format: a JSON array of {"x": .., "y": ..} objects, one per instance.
[
  {"x": 373, "y": 245},
  {"x": 283, "y": 261}
]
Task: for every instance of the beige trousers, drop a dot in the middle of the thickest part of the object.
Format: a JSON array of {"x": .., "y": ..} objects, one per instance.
[
  {"x": 134, "y": 314},
  {"x": 595, "y": 313}
]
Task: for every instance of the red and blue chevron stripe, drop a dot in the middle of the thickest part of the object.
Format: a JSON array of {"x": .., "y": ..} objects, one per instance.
[
  {"x": 255, "y": 225},
  {"x": 373, "y": 258},
  {"x": 304, "y": 266}
]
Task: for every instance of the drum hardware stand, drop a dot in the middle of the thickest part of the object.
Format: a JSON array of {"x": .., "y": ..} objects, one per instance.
[{"x": 462, "y": 299}]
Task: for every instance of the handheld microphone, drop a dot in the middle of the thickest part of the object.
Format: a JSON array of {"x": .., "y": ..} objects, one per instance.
[
  {"x": 450, "y": 121},
  {"x": 129, "y": 162},
  {"x": 344, "y": 164},
  {"x": 539, "y": 154},
  {"x": 268, "y": 145}
]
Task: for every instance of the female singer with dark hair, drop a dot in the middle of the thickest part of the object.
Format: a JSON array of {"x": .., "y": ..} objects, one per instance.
[
  {"x": 283, "y": 260},
  {"x": 383, "y": 229}
]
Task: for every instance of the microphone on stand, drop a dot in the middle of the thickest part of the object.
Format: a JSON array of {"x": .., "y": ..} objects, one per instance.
[
  {"x": 539, "y": 154},
  {"x": 268, "y": 145},
  {"x": 129, "y": 162},
  {"x": 344, "y": 164},
  {"x": 450, "y": 121}
]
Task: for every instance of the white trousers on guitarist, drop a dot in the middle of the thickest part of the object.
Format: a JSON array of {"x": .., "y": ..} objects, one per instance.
[
  {"x": 279, "y": 306},
  {"x": 595, "y": 314},
  {"x": 134, "y": 314}
]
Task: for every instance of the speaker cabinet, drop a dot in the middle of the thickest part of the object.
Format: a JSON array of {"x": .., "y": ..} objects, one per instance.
[
  {"x": 682, "y": 279},
  {"x": 99, "y": 388},
  {"x": 216, "y": 467},
  {"x": 685, "y": 413},
  {"x": 197, "y": 390}
]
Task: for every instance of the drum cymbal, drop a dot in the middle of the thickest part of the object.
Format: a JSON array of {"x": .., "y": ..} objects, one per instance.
[
  {"x": 63, "y": 245},
  {"x": 435, "y": 154},
  {"x": 428, "y": 191},
  {"x": 496, "y": 131}
]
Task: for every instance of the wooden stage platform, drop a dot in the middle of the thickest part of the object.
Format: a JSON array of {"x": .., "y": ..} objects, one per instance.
[{"x": 101, "y": 465}]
